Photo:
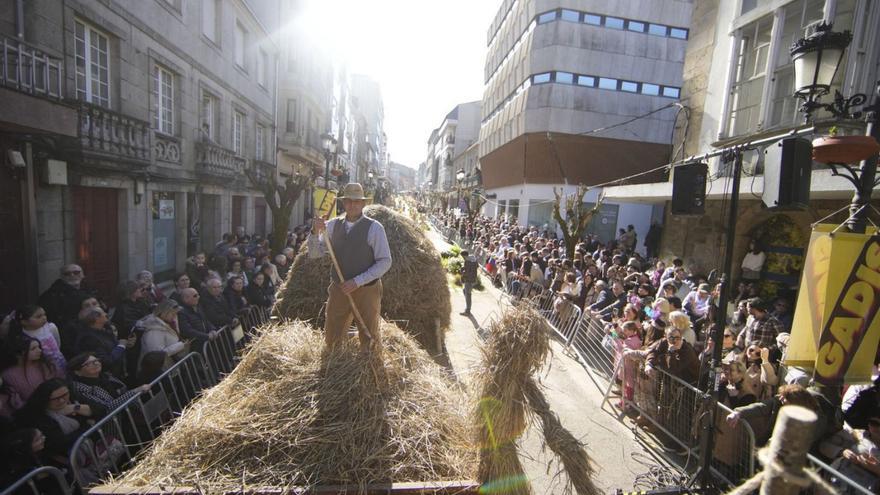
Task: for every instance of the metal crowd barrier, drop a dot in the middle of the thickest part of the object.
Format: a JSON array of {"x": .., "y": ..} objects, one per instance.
[
  {"x": 843, "y": 484},
  {"x": 36, "y": 482},
  {"x": 110, "y": 445},
  {"x": 221, "y": 353}
]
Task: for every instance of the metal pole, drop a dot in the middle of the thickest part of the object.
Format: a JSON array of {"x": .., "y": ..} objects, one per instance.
[
  {"x": 720, "y": 323},
  {"x": 867, "y": 172}
]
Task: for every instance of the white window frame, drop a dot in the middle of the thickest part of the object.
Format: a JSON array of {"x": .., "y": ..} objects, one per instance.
[
  {"x": 91, "y": 40},
  {"x": 210, "y": 26},
  {"x": 163, "y": 106},
  {"x": 208, "y": 106},
  {"x": 262, "y": 68},
  {"x": 240, "y": 45},
  {"x": 237, "y": 132},
  {"x": 259, "y": 139}
]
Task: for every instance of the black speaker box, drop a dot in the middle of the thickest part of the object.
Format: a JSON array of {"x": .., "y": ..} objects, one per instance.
[
  {"x": 787, "y": 168},
  {"x": 689, "y": 189}
]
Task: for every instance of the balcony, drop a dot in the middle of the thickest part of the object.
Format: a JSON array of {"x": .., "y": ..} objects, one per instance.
[
  {"x": 108, "y": 139},
  {"x": 27, "y": 69},
  {"x": 263, "y": 171},
  {"x": 218, "y": 164}
]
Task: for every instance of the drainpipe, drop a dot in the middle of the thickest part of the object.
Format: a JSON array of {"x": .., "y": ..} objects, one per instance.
[{"x": 19, "y": 19}]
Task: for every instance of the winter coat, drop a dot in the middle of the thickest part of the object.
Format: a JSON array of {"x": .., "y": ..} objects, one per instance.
[{"x": 160, "y": 336}]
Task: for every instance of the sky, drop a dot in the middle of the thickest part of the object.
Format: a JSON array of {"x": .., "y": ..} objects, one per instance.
[{"x": 427, "y": 56}]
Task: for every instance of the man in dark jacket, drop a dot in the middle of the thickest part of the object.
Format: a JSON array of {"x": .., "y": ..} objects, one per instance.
[
  {"x": 192, "y": 321},
  {"x": 609, "y": 301},
  {"x": 214, "y": 306},
  {"x": 62, "y": 300},
  {"x": 95, "y": 336},
  {"x": 468, "y": 280}
]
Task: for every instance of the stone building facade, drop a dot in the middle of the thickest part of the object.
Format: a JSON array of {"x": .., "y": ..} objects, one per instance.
[{"x": 171, "y": 103}]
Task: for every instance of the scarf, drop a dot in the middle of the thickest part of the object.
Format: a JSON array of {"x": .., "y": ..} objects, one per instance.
[{"x": 67, "y": 424}]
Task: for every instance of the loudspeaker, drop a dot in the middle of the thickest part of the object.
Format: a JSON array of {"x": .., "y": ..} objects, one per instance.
[
  {"x": 689, "y": 189},
  {"x": 787, "y": 169}
]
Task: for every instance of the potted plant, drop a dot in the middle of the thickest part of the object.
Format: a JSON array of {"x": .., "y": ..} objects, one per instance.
[
  {"x": 843, "y": 149},
  {"x": 336, "y": 172}
]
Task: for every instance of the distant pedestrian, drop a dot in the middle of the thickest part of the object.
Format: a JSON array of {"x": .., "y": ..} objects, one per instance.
[{"x": 468, "y": 280}]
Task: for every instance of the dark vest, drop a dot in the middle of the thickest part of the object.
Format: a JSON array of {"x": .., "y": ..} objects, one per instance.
[{"x": 355, "y": 256}]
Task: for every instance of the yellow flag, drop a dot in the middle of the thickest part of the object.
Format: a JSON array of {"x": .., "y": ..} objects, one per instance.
[
  {"x": 324, "y": 202},
  {"x": 836, "y": 327}
]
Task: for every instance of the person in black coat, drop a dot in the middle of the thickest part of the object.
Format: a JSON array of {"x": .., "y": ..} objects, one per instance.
[
  {"x": 235, "y": 296},
  {"x": 258, "y": 292},
  {"x": 95, "y": 335},
  {"x": 610, "y": 300},
  {"x": 214, "y": 305},
  {"x": 132, "y": 307},
  {"x": 192, "y": 322},
  {"x": 62, "y": 299}
]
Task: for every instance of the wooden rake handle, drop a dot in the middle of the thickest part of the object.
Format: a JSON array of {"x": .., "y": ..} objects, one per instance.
[{"x": 354, "y": 309}]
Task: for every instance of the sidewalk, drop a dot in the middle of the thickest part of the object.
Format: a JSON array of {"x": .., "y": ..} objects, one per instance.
[{"x": 570, "y": 392}]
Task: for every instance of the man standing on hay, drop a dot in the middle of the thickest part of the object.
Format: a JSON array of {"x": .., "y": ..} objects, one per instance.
[{"x": 361, "y": 249}]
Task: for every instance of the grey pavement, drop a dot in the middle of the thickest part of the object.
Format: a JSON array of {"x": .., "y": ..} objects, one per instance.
[{"x": 613, "y": 445}]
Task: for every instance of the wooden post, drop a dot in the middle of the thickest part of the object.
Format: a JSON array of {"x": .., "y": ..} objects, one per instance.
[{"x": 786, "y": 455}]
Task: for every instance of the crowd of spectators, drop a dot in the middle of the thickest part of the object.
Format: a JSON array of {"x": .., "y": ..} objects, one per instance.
[
  {"x": 73, "y": 357},
  {"x": 658, "y": 318}
]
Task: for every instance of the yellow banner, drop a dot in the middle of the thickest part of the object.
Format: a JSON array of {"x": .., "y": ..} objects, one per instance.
[
  {"x": 324, "y": 202},
  {"x": 836, "y": 327}
]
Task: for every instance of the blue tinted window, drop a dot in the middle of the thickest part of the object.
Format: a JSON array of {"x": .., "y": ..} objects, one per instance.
[
  {"x": 547, "y": 17},
  {"x": 635, "y": 26},
  {"x": 586, "y": 81},
  {"x": 629, "y": 86},
  {"x": 614, "y": 23},
  {"x": 681, "y": 34},
  {"x": 571, "y": 15},
  {"x": 671, "y": 92},
  {"x": 657, "y": 29},
  {"x": 593, "y": 19},
  {"x": 565, "y": 77},
  {"x": 650, "y": 89},
  {"x": 541, "y": 78},
  {"x": 607, "y": 83}
]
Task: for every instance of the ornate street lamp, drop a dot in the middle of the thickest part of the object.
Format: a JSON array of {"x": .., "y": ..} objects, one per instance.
[
  {"x": 817, "y": 59},
  {"x": 327, "y": 144}
]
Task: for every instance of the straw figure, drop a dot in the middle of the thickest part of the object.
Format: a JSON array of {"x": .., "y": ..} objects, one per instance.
[
  {"x": 517, "y": 347},
  {"x": 415, "y": 288},
  {"x": 294, "y": 414}
]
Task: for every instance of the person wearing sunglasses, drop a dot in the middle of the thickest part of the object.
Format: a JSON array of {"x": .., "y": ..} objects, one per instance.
[
  {"x": 62, "y": 299},
  {"x": 90, "y": 383}
]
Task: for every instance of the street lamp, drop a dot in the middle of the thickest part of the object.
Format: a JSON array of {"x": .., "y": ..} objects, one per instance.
[
  {"x": 327, "y": 143},
  {"x": 817, "y": 58},
  {"x": 459, "y": 176}
]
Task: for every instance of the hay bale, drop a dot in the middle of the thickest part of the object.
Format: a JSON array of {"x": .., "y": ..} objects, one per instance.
[
  {"x": 292, "y": 414},
  {"x": 415, "y": 288},
  {"x": 517, "y": 347}
]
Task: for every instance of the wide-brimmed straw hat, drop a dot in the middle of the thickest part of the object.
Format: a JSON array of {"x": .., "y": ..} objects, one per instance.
[{"x": 353, "y": 190}]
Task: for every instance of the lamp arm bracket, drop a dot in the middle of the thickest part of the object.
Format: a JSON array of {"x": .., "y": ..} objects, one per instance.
[{"x": 851, "y": 174}]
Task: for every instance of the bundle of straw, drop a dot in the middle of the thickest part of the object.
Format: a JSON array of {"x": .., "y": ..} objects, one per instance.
[
  {"x": 517, "y": 346},
  {"x": 415, "y": 288},
  {"x": 293, "y": 414}
]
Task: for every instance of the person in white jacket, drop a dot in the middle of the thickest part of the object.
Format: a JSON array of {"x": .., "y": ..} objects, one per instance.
[{"x": 160, "y": 333}]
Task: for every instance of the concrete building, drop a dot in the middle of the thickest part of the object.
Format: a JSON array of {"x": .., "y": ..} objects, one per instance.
[
  {"x": 136, "y": 122},
  {"x": 401, "y": 177},
  {"x": 738, "y": 84},
  {"x": 369, "y": 152},
  {"x": 563, "y": 80},
  {"x": 458, "y": 131}
]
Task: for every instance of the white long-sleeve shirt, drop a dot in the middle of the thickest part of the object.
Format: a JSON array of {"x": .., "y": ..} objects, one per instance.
[{"x": 376, "y": 239}]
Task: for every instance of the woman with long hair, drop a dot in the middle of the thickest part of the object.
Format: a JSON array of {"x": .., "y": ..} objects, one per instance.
[
  {"x": 28, "y": 368},
  {"x": 96, "y": 387},
  {"x": 234, "y": 294},
  {"x": 258, "y": 293},
  {"x": 30, "y": 320},
  {"x": 62, "y": 420}
]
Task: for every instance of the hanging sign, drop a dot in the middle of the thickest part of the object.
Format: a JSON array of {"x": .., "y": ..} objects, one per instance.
[
  {"x": 324, "y": 202},
  {"x": 836, "y": 327}
]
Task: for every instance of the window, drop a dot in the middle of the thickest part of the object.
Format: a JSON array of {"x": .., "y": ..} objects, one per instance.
[
  {"x": 593, "y": 19},
  {"x": 291, "y": 115},
  {"x": 210, "y": 15},
  {"x": 629, "y": 86},
  {"x": 614, "y": 23},
  {"x": 671, "y": 92},
  {"x": 259, "y": 136},
  {"x": 208, "y": 118},
  {"x": 262, "y": 68},
  {"x": 679, "y": 33},
  {"x": 607, "y": 83},
  {"x": 650, "y": 89},
  {"x": 240, "y": 42},
  {"x": 571, "y": 15},
  {"x": 586, "y": 81},
  {"x": 92, "y": 65},
  {"x": 163, "y": 100},
  {"x": 541, "y": 78},
  {"x": 657, "y": 30},
  {"x": 565, "y": 78},
  {"x": 636, "y": 26},
  {"x": 237, "y": 132},
  {"x": 547, "y": 17},
  {"x": 751, "y": 67}
]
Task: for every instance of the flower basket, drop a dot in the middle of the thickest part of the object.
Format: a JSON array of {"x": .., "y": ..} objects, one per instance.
[
  {"x": 336, "y": 172},
  {"x": 844, "y": 149}
]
